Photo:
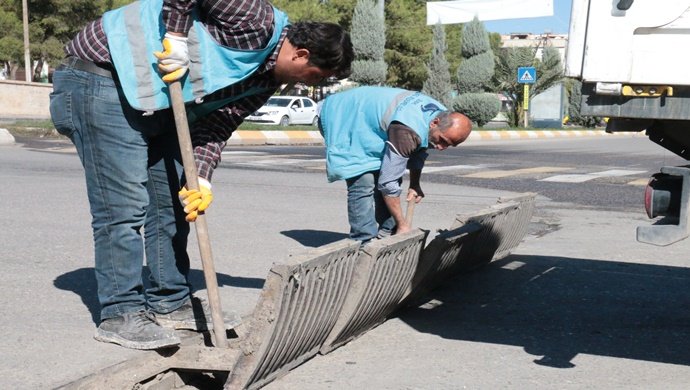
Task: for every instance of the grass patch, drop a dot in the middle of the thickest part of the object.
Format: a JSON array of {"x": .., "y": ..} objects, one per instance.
[{"x": 32, "y": 128}]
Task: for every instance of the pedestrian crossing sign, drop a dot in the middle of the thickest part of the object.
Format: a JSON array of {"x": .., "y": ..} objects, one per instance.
[{"x": 526, "y": 75}]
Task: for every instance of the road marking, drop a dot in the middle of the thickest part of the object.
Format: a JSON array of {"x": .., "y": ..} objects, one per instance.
[
  {"x": 453, "y": 167},
  {"x": 281, "y": 161},
  {"x": 581, "y": 178},
  {"x": 243, "y": 153},
  {"x": 258, "y": 159},
  {"x": 639, "y": 182},
  {"x": 497, "y": 174}
]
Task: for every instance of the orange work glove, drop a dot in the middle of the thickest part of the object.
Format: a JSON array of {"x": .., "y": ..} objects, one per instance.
[
  {"x": 173, "y": 61},
  {"x": 196, "y": 201}
]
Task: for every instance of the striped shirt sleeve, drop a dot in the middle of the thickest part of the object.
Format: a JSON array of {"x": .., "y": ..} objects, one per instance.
[
  {"x": 177, "y": 15},
  {"x": 210, "y": 134}
]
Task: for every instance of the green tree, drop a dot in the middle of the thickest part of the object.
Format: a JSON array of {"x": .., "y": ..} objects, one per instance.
[
  {"x": 407, "y": 43},
  {"x": 333, "y": 11},
  {"x": 505, "y": 78},
  {"x": 369, "y": 42},
  {"x": 549, "y": 73},
  {"x": 52, "y": 23},
  {"x": 453, "y": 53},
  {"x": 495, "y": 42},
  {"x": 474, "y": 75},
  {"x": 549, "y": 69},
  {"x": 437, "y": 85},
  {"x": 12, "y": 41}
]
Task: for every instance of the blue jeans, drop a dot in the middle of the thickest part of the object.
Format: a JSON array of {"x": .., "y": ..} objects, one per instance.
[
  {"x": 133, "y": 173},
  {"x": 366, "y": 210}
]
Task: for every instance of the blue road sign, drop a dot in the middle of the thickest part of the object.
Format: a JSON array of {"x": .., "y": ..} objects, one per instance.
[{"x": 526, "y": 75}]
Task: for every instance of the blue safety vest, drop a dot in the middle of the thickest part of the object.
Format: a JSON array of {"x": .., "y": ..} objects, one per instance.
[
  {"x": 136, "y": 30},
  {"x": 355, "y": 124}
]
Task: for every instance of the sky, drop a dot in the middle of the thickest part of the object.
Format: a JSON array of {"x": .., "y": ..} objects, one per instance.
[{"x": 557, "y": 24}]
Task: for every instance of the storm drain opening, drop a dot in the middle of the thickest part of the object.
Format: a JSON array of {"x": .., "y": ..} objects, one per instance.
[{"x": 188, "y": 367}]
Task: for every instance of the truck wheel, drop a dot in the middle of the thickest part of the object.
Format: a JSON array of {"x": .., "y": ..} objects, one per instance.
[{"x": 284, "y": 121}]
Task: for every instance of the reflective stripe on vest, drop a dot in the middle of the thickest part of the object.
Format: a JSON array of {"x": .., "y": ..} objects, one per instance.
[
  {"x": 136, "y": 30},
  {"x": 386, "y": 118}
]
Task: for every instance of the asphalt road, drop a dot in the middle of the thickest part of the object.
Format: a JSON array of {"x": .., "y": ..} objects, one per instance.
[
  {"x": 579, "y": 304},
  {"x": 606, "y": 173}
]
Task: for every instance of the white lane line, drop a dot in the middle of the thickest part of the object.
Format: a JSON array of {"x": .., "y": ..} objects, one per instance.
[
  {"x": 497, "y": 174},
  {"x": 453, "y": 167},
  {"x": 281, "y": 161},
  {"x": 243, "y": 153},
  {"x": 581, "y": 178},
  {"x": 638, "y": 182}
]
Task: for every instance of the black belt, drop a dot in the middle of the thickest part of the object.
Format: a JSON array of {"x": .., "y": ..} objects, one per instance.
[{"x": 87, "y": 66}]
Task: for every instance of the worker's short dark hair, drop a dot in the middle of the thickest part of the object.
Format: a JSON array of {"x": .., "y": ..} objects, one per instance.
[
  {"x": 328, "y": 44},
  {"x": 444, "y": 120}
]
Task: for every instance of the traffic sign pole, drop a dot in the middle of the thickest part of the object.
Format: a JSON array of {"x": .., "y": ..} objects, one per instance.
[
  {"x": 525, "y": 103},
  {"x": 526, "y": 75}
]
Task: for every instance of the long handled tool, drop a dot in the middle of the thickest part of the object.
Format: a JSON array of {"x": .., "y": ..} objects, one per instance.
[
  {"x": 191, "y": 174},
  {"x": 410, "y": 211}
]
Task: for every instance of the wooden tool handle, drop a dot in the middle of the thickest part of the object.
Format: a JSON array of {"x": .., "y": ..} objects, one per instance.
[
  {"x": 410, "y": 211},
  {"x": 192, "y": 176}
]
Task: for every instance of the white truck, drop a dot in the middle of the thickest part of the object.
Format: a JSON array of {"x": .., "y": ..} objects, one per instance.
[{"x": 633, "y": 58}]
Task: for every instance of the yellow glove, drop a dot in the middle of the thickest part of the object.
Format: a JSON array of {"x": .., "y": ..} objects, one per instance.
[
  {"x": 174, "y": 59},
  {"x": 195, "y": 202}
]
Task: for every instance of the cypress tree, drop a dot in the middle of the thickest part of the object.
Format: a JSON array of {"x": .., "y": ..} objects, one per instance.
[
  {"x": 474, "y": 75},
  {"x": 437, "y": 84},
  {"x": 368, "y": 35}
]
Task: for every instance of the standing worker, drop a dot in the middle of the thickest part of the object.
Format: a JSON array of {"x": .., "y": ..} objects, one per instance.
[
  {"x": 372, "y": 135},
  {"x": 110, "y": 98}
]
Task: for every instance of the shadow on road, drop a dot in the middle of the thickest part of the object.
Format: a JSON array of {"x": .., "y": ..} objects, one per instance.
[
  {"x": 314, "y": 238},
  {"x": 83, "y": 283},
  {"x": 558, "y": 307}
]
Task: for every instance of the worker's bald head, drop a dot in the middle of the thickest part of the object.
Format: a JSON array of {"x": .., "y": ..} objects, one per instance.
[{"x": 449, "y": 129}]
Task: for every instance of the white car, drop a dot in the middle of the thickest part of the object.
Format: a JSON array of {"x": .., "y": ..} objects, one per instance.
[{"x": 286, "y": 110}]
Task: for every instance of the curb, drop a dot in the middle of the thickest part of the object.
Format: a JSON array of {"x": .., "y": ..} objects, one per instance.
[
  {"x": 536, "y": 134},
  {"x": 5, "y": 137},
  {"x": 304, "y": 137},
  {"x": 276, "y": 137}
]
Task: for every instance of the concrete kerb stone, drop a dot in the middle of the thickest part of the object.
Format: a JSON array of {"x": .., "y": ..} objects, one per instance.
[
  {"x": 438, "y": 260},
  {"x": 383, "y": 275},
  {"x": 299, "y": 305},
  {"x": 5, "y": 137},
  {"x": 308, "y": 137},
  {"x": 503, "y": 226},
  {"x": 263, "y": 137},
  {"x": 487, "y": 235}
]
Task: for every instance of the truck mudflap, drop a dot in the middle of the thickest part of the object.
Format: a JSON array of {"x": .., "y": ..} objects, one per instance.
[{"x": 672, "y": 205}]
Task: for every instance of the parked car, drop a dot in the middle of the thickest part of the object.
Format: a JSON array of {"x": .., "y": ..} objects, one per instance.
[{"x": 286, "y": 110}]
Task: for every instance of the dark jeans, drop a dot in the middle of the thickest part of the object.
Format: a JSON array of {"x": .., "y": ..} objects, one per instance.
[
  {"x": 366, "y": 210},
  {"x": 133, "y": 173}
]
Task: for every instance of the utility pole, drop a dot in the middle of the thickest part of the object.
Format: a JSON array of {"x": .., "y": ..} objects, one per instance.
[{"x": 27, "y": 53}]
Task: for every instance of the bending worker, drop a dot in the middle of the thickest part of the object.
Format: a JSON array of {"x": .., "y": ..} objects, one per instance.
[
  {"x": 111, "y": 99},
  {"x": 372, "y": 134}
]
